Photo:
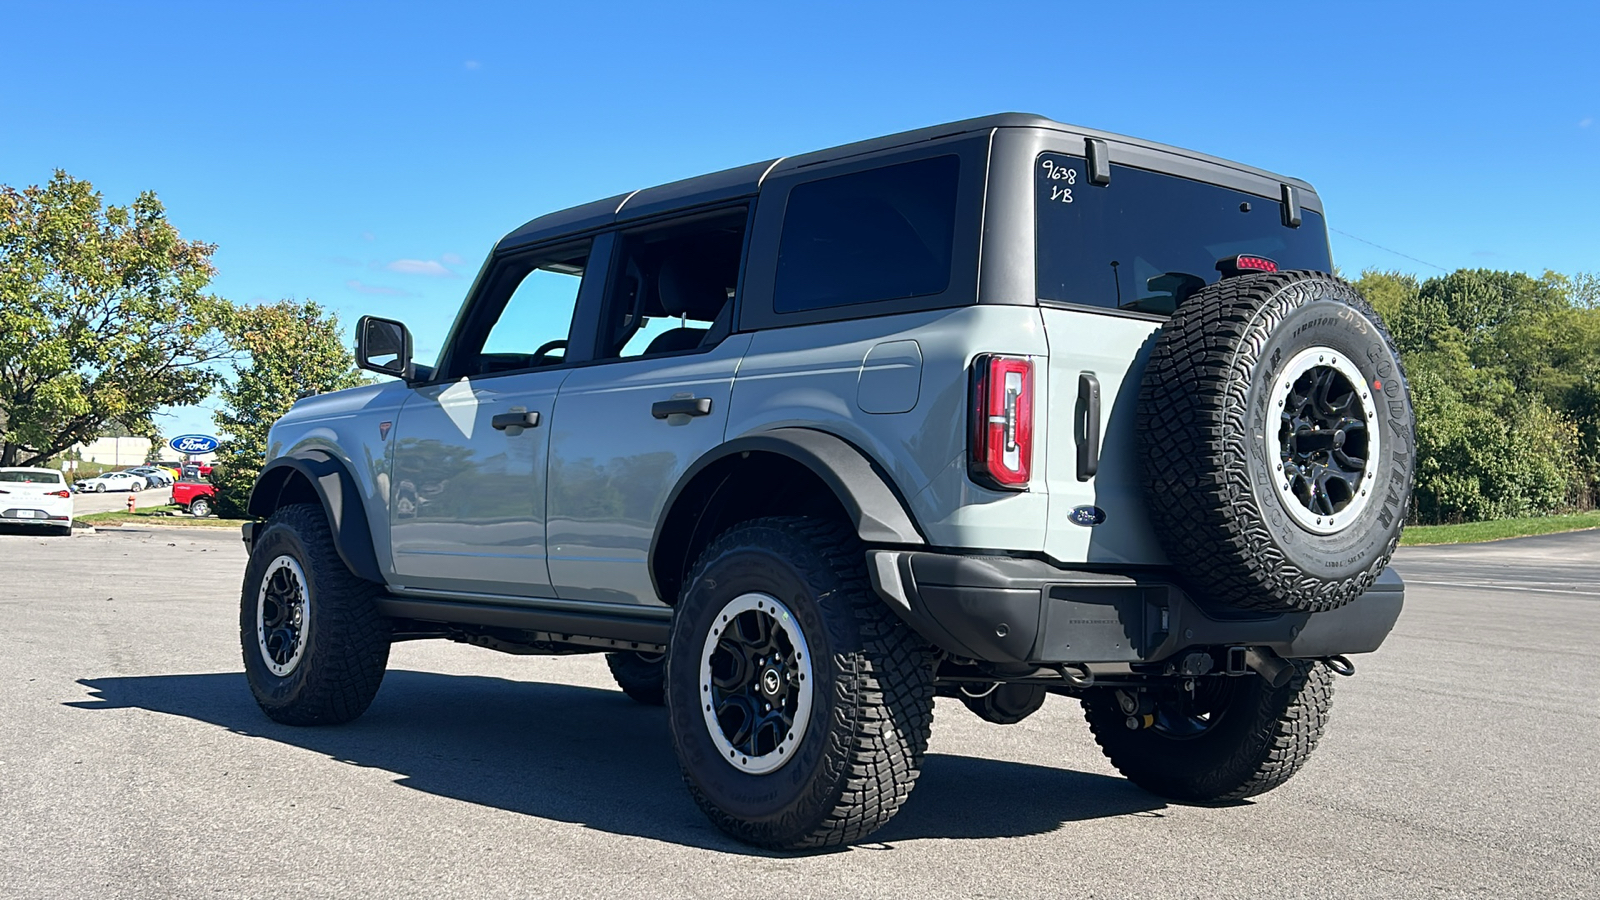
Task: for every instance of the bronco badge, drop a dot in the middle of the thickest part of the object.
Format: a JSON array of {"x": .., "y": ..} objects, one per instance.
[{"x": 1087, "y": 516}]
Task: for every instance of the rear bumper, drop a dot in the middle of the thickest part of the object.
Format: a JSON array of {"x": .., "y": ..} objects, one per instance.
[{"x": 1002, "y": 609}]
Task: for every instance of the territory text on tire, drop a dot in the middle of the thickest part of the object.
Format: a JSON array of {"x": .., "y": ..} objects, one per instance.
[
  {"x": 1276, "y": 442},
  {"x": 1227, "y": 739},
  {"x": 314, "y": 644},
  {"x": 799, "y": 705}
]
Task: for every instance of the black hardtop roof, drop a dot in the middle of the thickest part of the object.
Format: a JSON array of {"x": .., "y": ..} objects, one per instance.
[{"x": 745, "y": 181}]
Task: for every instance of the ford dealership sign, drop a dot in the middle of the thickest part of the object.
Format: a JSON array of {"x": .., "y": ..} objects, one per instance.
[{"x": 194, "y": 443}]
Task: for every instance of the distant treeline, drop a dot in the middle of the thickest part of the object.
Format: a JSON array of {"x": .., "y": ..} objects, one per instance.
[{"x": 1505, "y": 375}]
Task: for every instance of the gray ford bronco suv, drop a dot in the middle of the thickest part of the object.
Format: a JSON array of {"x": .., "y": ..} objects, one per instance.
[{"x": 993, "y": 410}]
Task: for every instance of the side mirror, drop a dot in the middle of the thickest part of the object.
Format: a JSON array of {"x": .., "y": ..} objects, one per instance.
[{"x": 384, "y": 346}]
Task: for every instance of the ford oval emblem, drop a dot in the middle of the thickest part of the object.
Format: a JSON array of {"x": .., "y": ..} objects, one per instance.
[
  {"x": 194, "y": 443},
  {"x": 1087, "y": 516}
]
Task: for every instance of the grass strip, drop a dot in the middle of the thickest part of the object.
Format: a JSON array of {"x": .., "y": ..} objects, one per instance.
[
  {"x": 155, "y": 515},
  {"x": 1498, "y": 529}
]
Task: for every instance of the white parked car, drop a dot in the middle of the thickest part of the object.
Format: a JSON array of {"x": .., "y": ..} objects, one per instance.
[
  {"x": 36, "y": 497},
  {"x": 112, "y": 481}
]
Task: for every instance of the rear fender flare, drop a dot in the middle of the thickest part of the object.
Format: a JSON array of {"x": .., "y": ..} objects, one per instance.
[{"x": 864, "y": 492}]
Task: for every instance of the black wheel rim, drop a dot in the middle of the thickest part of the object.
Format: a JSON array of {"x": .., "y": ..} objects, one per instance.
[
  {"x": 756, "y": 683},
  {"x": 282, "y": 610},
  {"x": 1325, "y": 442}
]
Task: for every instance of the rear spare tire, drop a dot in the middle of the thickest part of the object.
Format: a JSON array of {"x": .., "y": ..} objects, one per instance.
[{"x": 1276, "y": 442}]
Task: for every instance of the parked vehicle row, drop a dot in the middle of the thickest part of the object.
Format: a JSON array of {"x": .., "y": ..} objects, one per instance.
[
  {"x": 111, "y": 481},
  {"x": 138, "y": 478}
]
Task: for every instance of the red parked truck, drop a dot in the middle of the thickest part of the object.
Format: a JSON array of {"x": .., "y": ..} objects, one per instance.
[{"x": 197, "y": 498}]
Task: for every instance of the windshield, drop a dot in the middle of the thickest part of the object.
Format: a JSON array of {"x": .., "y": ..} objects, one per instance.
[
  {"x": 1146, "y": 241},
  {"x": 42, "y": 477}
]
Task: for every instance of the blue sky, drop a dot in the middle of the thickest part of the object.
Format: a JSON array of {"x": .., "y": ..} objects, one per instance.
[{"x": 368, "y": 155}]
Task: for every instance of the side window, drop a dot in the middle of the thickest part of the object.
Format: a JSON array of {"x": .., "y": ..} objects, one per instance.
[
  {"x": 882, "y": 234},
  {"x": 524, "y": 318},
  {"x": 673, "y": 287}
]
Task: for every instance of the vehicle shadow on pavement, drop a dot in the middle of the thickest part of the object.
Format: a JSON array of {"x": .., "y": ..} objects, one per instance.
[{"x": 595, "y": 758}]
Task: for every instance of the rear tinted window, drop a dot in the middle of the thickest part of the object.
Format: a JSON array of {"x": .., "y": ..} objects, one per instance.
[
  {"x": 881, "y": 234},
  {"x": 31, "y": 477},
  {"x": 1146, "y": 241}
]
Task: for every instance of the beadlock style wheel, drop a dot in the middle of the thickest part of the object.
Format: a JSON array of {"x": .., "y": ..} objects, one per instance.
[
  {"x": 1325, "y": 440},
  {"x": 756, "y": 682},
  {"x": 283, "y": 609},
  {"x": 1277, "y": 443}
]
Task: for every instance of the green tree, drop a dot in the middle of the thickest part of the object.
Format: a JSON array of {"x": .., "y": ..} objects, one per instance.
[
  {"x": 1505, "y": 377},
  {"x": 292, "y": 349},
  {"x": 104, "y": 316}
]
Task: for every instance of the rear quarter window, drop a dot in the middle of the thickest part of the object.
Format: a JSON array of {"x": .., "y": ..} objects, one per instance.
[
  {"x": 31, "y": 477},
  {"x": 882, "y": 234},
  {"x": 1148, "y": 240}
]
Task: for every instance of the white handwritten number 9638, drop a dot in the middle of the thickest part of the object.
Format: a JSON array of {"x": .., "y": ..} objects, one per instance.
[{"x": 1056, "y": 172}]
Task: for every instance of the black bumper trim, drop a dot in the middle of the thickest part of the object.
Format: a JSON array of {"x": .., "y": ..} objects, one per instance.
[{"x": 1005, "y": 609}]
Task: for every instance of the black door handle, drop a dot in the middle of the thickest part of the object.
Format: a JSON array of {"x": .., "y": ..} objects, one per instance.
[
  {"x": 514, "y": 420},
  {"x": 1089, "y": 446},
  {"x": 681, "y": 406}
]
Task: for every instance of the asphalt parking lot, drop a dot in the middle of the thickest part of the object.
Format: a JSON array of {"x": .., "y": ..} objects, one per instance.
[{"x": 1462, "y": 760}]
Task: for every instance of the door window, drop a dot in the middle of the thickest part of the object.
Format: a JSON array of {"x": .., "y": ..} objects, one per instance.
[
  {"x": 523, "y": 320},
  {"x": 674, "y": 288}
]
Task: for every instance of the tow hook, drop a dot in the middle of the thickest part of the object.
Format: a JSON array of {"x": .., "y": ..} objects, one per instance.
[
  {"x": 1341, "y": 665},
  {"x": 1269, "y": 665}
]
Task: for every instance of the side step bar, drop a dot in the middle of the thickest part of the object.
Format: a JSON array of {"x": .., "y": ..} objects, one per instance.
[{"x": 572, "y": 627}]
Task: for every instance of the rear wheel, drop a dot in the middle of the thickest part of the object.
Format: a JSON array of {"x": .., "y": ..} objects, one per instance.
[
  {"x": 799, "y": 705},
  {"x": 200, "y": 507},
  {"x": 642, "y": 676},
  {"x": 314, "y": 644},
  {"x": 1229, "y": 738}
]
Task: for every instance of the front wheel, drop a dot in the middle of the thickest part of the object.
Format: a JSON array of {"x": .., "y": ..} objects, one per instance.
[
  {"x": 314, "y": 644},
  {"x": 1226, "y": 739},
  {"x": 799, "y": 705},
  {"x": 100, "y": 488}
]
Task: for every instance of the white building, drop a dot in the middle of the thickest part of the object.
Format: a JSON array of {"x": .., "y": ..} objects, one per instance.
[{"x": 114, "y": 451}]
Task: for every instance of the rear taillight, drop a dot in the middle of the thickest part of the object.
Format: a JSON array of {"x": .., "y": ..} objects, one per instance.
[
  {"x": 1001, "y": 443},
  {"x": 61, "y": 493}
]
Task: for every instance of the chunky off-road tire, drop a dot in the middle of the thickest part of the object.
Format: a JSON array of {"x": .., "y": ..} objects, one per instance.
[
  {"x": 1276, "y": 442},
  {"x": 869, "y": 707},
  {"x": 642, "y": 676},
  {"x": 1255, "y": 738},
  {"x": 315, "y": 606}
]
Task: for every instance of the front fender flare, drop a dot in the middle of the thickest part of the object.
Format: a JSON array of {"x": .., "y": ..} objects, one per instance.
[{"x": 340, "y": 496}]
